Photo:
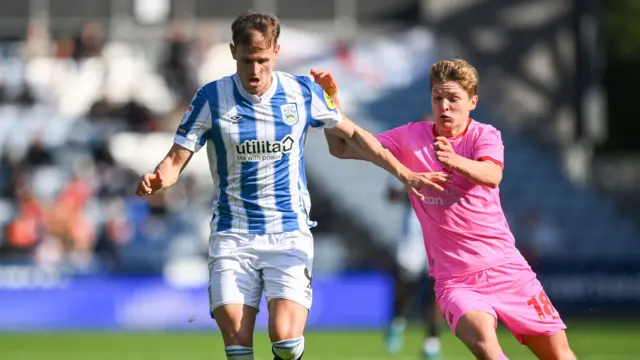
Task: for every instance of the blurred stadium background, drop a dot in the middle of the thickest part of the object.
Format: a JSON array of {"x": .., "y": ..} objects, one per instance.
[{"x": 91, "y": 92}]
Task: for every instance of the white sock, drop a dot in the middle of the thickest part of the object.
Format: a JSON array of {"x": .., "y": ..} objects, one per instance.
[
  {"x": 290, "y": 349},
  {"x": 399, "y": 323},
  {"x": 431, "y": 346},
  {"x": 239, "y": 353}
]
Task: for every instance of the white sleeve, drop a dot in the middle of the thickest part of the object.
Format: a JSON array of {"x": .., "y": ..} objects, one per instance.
[
  {"x": 324, "y": 113},
  {"x": 193, "y": 131}
]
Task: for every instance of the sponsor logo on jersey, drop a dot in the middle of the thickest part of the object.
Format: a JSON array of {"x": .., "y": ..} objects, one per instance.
[
  {"x": 450, "y": 197},
  {"x": 264, "y": 150}
]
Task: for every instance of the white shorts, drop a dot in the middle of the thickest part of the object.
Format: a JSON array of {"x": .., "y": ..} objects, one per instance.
[
  {"x": 242, "y": 266},
  {"x": 411, "y": 255}
]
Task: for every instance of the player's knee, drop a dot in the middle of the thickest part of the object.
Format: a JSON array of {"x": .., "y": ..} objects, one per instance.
[
  {"x": 485, "y": 350},
  {"x": 566, "y": 355},
  {"x": 291, "y": 349},
  {"x": 234, "y": 337}
]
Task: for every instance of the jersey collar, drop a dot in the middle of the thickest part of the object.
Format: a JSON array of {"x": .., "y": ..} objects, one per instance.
[
  {"x": 254, "y": 98},
  {"x": 462, "y": 134}
]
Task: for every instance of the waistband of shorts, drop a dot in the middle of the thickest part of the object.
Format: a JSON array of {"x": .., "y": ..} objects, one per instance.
[{"x": 508, "y": 260}]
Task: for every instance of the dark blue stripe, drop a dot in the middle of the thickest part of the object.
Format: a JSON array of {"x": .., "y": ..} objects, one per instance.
[
  {"x": 249, "y": 176},
  {"x": 303, "y": 173},
  {"x": 282, "y": 168},
  {"x": 239, "y": 352},
  {"x": 197, "y": 103},
  {"x": 224, "y": 210},
  {"x": 286, "y": 343}
]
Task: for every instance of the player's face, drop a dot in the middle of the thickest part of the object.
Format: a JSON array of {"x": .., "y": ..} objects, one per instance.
[
  {"x": 255, "y": 64},
  {"x": 451, "y": 105}
]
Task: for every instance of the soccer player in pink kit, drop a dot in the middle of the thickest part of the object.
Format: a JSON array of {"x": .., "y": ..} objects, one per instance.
[{"x": 480, "y": 275}]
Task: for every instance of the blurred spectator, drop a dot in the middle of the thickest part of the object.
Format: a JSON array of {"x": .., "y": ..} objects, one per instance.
[
  {"x": 175, "y": 66},
  {"x": 539, "y": 237},
  {"x": 89, "y": 42},
  {"x": 65, "y": 201},
  {"x": 26, "y": 230}
]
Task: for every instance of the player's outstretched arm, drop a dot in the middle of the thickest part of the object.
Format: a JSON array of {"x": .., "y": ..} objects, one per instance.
[
  {"x": 166, "y": 173},
  {"x": 338, "y": 147},
  {"x": 370, "y": 149},
  {"x": 349, "y": 141}
]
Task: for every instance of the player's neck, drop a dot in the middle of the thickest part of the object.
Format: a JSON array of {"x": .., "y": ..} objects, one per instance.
[{"x": 452, "y": 132}]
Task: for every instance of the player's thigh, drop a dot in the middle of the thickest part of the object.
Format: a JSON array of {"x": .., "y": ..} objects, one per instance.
[
  {"x": 236, "y": 323},
  {"x": 287, "y": 277},
  {"x": 523, "y": 306},
  {"x": 550, "y": 347},
  {"x": 233, "y": 278},
  {"x": 472, "y": 319},
  {"x": 287, "y": 319},
  {"x": 477, "y": 330}
]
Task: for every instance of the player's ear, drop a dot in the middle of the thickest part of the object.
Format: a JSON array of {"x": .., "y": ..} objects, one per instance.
[
  {"x": 277, "y": 49},
  {"x": 473, "y": 102},
  {"x": 233, "y": 50}
]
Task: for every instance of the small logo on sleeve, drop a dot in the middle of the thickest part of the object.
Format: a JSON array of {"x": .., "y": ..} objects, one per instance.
[
  {"x": 327, "y": 99},
  {"x": 186, "y": 115}
]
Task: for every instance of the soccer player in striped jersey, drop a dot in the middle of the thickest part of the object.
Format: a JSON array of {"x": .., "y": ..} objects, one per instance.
[{"x": 254, "y": 124}]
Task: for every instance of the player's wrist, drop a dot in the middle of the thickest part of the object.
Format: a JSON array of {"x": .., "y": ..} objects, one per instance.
[{"x": 403, "y": 175}]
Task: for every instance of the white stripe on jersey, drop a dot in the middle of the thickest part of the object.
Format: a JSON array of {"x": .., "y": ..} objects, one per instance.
[
  {"x": 298, "y": 195},
  {"x": 266, "y": 129}
]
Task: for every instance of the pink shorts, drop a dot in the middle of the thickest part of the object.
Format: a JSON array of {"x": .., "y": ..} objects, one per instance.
[{"x": 511, "y": 293}]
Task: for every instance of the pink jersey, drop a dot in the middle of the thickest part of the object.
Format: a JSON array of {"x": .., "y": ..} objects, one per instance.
[{"x": 465, "y": 229}]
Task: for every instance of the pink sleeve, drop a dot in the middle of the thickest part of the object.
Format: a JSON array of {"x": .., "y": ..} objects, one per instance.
[
  {"x": 489, "y": 147},
  {"x": 393, "y": 139}
]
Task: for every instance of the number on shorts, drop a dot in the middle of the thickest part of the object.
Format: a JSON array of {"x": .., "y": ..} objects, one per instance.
[{"x": 542, "y": 305}]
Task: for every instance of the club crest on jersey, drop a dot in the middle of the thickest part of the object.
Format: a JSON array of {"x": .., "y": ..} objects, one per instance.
[{"x": 289, "y": 113}]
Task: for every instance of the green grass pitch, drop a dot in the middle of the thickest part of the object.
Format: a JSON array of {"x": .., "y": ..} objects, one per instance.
[{"x": 593, "y": 341}]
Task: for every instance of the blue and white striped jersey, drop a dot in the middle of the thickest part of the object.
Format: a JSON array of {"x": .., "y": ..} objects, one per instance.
[{"x": 255, "y": 149}]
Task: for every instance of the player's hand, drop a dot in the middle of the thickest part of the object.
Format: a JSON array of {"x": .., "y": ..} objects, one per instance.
[
  {"x": 150, "y": 184},
  {"x": 326, "y": 81},
  {"x": 434, "y": 180},
  {"x": 444, "y": 152}
]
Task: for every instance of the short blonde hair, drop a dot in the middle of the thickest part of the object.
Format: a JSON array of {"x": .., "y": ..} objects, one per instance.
[{"x": 457, "y": 70}]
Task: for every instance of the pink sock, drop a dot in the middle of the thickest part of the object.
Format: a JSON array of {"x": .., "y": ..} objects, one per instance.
[{"x": 503, "y": 357}]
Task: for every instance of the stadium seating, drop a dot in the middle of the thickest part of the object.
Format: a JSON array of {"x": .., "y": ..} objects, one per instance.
[{"x": 589, "y": 224}]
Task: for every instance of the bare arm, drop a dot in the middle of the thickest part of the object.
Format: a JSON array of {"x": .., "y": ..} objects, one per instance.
[
  {"x": 338, "y": 147},
  {"x": 166, "y": 173},
  {"x": 357, "y": 143},
  {"x": 485, "y": 173},
  {"x": 349, "y": 141}
]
